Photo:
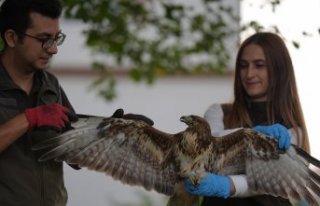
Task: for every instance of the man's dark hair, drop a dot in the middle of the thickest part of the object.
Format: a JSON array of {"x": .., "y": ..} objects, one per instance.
[{"x": 15, "y": 14}]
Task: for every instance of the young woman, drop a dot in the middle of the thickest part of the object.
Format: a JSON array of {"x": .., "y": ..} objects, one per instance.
[{"x": 265, "y": 98}]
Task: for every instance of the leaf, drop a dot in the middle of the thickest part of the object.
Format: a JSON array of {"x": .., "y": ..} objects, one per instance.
[{"x": 296, "y": 44}]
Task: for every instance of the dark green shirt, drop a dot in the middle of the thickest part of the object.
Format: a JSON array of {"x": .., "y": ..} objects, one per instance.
[{"x": 24, "y": 180}]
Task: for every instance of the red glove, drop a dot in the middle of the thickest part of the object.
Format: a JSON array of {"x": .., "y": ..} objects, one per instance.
[{"x": 47, "y": 115}]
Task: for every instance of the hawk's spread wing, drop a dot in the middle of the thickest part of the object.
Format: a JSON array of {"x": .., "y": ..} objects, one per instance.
[
  {"x": 130, "y": 151},
  {"x": 269, "y": 170},
  {"x": 138, "y": 154}
]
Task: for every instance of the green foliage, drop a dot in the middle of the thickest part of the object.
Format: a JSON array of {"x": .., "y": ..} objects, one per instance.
[{"x": 157, "y": 37}]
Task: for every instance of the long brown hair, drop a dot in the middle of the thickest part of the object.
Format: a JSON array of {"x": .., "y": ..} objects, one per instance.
[{"x": 282, "y": 94}]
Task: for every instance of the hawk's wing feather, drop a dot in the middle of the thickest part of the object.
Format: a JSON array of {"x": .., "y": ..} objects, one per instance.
[
  {"x": 228, "y": 154},
  {"x": 130, "y": 151},
  {"x": 85, "y": 131},
  {"x": 285, "y": 176},
  {"x": 269, "y": 170}
]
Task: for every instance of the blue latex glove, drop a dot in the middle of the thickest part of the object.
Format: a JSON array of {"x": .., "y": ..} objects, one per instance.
[
  {"x": 210, "y": 185},
  {"x": 277, "y": 131}
]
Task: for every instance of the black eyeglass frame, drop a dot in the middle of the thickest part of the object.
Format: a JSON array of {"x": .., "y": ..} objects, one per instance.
[{"x": 48, "y": 42}]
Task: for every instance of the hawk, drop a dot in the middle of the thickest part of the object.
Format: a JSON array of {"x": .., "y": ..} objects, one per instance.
[{"x": 138, "y": 154}]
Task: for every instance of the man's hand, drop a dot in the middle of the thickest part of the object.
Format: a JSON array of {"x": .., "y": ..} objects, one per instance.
[
  {"x": 119, "y": 113},
  {"x": 210, "y": 185},
  {"x": 277, "y": 131},
  {"x": 54, "y": 115}
]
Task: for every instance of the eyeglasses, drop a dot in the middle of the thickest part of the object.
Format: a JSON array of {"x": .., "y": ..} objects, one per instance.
[{"x": 47, "y": 42}]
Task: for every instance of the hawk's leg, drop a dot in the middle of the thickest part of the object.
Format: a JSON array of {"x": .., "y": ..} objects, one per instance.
[{"x": 196, "y": 172}]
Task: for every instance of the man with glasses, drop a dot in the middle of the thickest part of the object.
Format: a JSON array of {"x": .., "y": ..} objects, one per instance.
[{"x": 33, "y": 106}]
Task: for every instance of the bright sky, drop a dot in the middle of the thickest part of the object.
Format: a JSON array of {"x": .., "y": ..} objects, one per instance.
[{"x": 293, "y": 17}]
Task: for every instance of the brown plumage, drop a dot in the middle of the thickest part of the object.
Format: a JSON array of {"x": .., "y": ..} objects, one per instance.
[{"x": 138, "y": 154}]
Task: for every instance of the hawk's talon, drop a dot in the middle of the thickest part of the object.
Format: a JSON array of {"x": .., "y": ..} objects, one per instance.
[{"x": 194, "y": 178}]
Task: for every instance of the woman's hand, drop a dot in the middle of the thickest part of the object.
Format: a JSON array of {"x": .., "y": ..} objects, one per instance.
[
  {"x": 277, "y": 131},
  {"x": 210, "y": 185}
]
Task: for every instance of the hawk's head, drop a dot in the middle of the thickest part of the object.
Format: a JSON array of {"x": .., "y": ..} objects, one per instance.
[
  {"x": 192, "y": 120},
  {"x": 196, "y": 122}
]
